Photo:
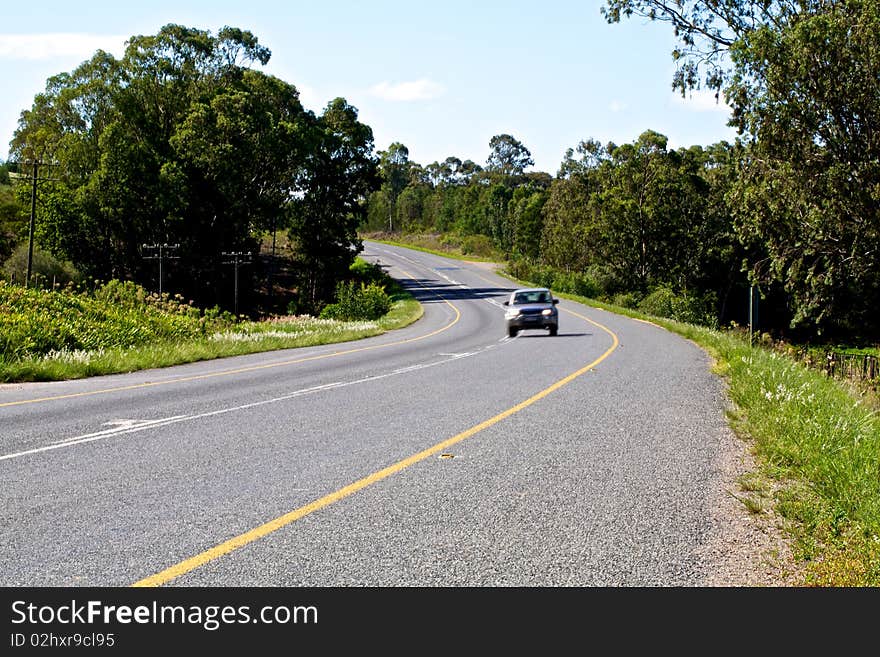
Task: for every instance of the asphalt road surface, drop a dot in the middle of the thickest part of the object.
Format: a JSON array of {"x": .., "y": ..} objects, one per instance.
[{"x": 442, "y": 454}]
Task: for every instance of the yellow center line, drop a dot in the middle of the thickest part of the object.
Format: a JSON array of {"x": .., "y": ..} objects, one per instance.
[
  {"x": 252, "y": 368},
  {"x": 255, "y": 534}
]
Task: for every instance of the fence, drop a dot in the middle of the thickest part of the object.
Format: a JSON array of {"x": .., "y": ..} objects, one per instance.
[{"x": 859, "y": 368}]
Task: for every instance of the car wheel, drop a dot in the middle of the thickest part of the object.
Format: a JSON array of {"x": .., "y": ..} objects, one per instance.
[
  {"x": 512, "y": 332},
  {"x": 554, "y": 330}
]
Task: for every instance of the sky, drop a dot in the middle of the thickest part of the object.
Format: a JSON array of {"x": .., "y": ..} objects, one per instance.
[{"x": 442, "y": 78}]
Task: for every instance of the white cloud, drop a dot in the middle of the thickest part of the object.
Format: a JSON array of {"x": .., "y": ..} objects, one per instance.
[
  {"x": 309, "y": 97},
  {"x": 702, "y": 100},
  {"x": 423, "y": 89},
  {"x": 617, "y": 106},
  {"x": 59, "y": 45}
]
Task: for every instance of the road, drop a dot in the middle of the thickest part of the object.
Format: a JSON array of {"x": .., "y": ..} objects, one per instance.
[{"x": 442, "y": 454}]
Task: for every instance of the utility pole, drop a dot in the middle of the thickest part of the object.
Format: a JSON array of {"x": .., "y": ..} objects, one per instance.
[
  {"x": 238, "y": 258},
  {"x": 30, "y": 265},
  {"x": 271, "y": 275},
  {"x": 33, "y": 218},
  {"x": 160, "y": 253}
]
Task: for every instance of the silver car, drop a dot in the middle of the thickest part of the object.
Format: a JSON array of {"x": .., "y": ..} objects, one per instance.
[{"x": 531, "y": 308}]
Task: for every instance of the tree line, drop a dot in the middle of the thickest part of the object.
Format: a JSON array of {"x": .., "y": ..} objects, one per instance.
[
  {"x": 181, "y": 142},
  {"x": 615, "y": 222},
  {"x": 792, "y": 207}
]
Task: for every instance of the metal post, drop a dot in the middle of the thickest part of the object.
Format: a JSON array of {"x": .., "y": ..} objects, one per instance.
[
  {"x": 236, "y": 285},
  {"x": 751, "y": 311}
]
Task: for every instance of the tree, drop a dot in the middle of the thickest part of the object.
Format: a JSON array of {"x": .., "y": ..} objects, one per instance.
[
  {"x": 528, "y": 204},
  {"x": 394, "y": 166},
  {"x": 12, "y": 214},
  {"x": 796, "y": 75},
  {"x": 181, "y": 142},
  {"x": 341, "y": 173},
  {"x": 810, "y": 186},
  {"x": 705, "y": 30},
  {"x": 467, "y": 172},
  {"x": 569, "y": 234},
  {"x": 508, "y": 157}
]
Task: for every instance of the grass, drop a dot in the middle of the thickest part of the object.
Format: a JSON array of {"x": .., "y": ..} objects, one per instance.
[{"x": 101, "y": 337}]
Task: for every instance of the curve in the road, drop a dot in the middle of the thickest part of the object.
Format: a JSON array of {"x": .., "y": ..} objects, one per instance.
[{"x": 175, "y": 571}]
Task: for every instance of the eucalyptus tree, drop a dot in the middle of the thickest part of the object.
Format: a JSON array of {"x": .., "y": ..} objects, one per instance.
[
  {"x": 808, "y": 96},
  {"x": 634, "y": 222},
  {"x": 394, "y": 166},
  {"x": 528, "y": 221},
  {"x": 801, "y": 80},
  {"x": 508, "y": 156},
  {"x": 182, "y": 141},
  {"x": 571, "y": 231},
  {"x": 341, "y": 173}
]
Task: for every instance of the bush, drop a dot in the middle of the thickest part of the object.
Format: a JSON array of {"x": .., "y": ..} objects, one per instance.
[
  {"x": 579, "y": 283},
  {"x": 122, "y": 293},
  {"x": 46, "y": 269},
  {"x": 534, "y": 274},
  {"x": 367, "y": 272},
  {"x": 664, "y": 302},
  {"x": 477, "y": 245},
  {"x": 358, "y": 301},
  {"x": 629, "y": 300},
  {"x": 118, "y": 314},
  {"x": 570, "y": 282}
]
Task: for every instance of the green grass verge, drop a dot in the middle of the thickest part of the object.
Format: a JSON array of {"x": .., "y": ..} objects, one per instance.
[
  {"x": 817, "y": 444},
  {"x": 231, "y": 340}
]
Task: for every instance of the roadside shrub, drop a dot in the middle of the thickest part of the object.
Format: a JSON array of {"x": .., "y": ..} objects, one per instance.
[
  {"x": 358, "y": 301},
  {"x": 664, "y": 302},
  {"x": 660, "y": 303},
  {"x": 478, "y": 245},
  {"x": 122, "y": 293},
  {"x": 45, "y": 268},
  {"x": 629, "y": 300},
  {"x": 535, "y": 274},
  {"x": 35, "y": 322},
  {"x": 605, "y": 279},
  {"x": 367, "y": 272},
  {"x": 570, "y": 282},
  {"x": 579, "y": 283}
]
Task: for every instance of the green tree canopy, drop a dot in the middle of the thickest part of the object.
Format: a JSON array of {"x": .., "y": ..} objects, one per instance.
[
  {"x": 508, "y": 156},
  {"x": 801, "y": 78},
  {"x": 181, "y": 141},
  {"x": 342, "y": 171},
  {"x": 394, "y": 168}
]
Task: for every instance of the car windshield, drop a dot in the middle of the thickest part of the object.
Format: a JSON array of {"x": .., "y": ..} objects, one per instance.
[{"x": 537, "y": 296}]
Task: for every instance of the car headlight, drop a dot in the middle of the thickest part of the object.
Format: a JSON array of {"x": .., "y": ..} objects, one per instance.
[
  {"x": 510, "y": 314},
  {"x": 547, "y": 312}
]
